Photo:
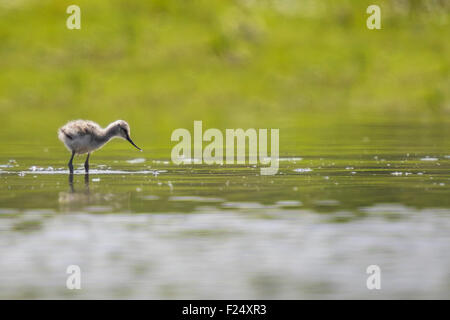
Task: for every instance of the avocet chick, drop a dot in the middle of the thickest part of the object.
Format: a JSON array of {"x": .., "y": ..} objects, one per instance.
[{"x": 84, "y": 136}]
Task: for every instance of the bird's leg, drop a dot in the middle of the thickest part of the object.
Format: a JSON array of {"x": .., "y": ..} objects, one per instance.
[
  {"x": 86, "y": 182},
  {"x": 70, "y": 162},
  {"x": 71, "y": 183},
  {"x": 86, "y": 163}
]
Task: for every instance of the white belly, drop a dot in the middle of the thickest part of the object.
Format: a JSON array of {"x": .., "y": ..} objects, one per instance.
[{"x": 80, "y": 144}]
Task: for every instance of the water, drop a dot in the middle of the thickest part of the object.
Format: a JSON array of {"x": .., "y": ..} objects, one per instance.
[{"x": 347, "y": 196}]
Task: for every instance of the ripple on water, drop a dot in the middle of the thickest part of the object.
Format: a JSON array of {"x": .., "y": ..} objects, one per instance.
[
  {"x": 161, "y": 162},
  {"x": 286, "y": 159},
  {"x": 50, "y": 170},
  {"x": 387, "y": 207},
  {"x": 8, "y": 211},
  {"x": 301, "y": 170},
  {"x": 150, "y": 197},
  {"x": 195, "y": 199},
  {"x": 399, "y": 173},
  {"x": 244, "y": 205},
  {"x": 98, "y": 209},
  {"x": 137, "y": 160},
  {"x": 288, "y": 203},
  {"x": 327, "y": 203}
]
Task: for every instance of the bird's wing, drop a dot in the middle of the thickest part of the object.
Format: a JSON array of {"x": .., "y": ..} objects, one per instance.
[{"x": 66, "y": 134}]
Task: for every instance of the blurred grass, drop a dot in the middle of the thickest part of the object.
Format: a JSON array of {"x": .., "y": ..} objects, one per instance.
[{"x": 163, "y": 64}]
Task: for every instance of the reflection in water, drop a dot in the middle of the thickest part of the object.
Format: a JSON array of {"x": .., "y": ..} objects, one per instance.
[
  {"x": 86, "y": 183},
  {"x": 79, "y": 199},
  {"x": 75, "y": 199}
]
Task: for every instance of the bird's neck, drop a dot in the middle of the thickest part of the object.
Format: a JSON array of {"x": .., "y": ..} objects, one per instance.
[{"x": 107, "y": 134}]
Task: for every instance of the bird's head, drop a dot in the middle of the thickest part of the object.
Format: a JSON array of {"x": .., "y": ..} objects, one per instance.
[{"x": 122, "y": 130}]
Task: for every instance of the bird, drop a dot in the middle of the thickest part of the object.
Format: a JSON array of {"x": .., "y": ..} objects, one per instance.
[{"x": 85, "y": 136}]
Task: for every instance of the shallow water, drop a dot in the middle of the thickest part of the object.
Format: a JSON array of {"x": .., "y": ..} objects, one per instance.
[{"x": 138, "y": 226}]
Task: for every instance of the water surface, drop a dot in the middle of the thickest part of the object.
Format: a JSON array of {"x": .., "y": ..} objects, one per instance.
[{"x": 358, "y": 193}]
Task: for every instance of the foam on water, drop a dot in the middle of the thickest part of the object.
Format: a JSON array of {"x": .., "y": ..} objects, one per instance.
[
  {"x": 303, "y": 170},
  {"x": 287, "y": 159},
  {"x": 81, "y": 171}
]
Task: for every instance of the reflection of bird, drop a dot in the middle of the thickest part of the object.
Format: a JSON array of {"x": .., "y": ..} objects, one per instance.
[{"x": 83, "y": 136}]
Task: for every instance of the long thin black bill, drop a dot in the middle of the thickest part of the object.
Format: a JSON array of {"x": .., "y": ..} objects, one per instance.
[{"x": 131, "y": 141}]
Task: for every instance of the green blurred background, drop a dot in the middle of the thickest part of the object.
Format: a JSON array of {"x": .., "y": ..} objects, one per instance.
[{"x": 160, "y": 65}]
